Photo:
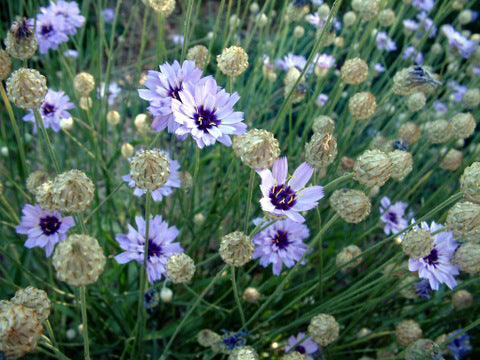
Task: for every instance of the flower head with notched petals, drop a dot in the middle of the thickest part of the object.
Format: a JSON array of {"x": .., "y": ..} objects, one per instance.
[
  {"x": 282, "y": 197},
  {"x": 392, "y": 215},
  {"x": 163, "y": 86},
  {"x": 302, "y": 344},
  {"x": 205, "y": 111},
  {"x": 436, "y": 267},
  {"x": 280, "y": 243},
  {"x": 44, "y": 228},
  {"x": 69, "y": 12},
  {"x": 160, "y": 246}
]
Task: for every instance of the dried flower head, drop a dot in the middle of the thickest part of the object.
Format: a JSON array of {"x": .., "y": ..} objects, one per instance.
[
  {"x": 243, "y": 353},
  {"x": 321, "y": 151},
  {"x": 402, "y": 163},
  {"x": 417, "y": 243},
  {"x": 362, "y": 105},
  {"x": 416, "y": 101},
  {"x": 467, "y": 257},
  {"x": 236, "y": 249},
  {"x": 413, "y": 79},
  {"x": 35, "y": 299},
  {"x": 462, "y": 299},
  {"x": 407, "y": 332},
  {"x": 354, "y": 71},
  {"x": 5, "y": 64},
  {"x": 470, "y": 182},
  {"x": 233, "y": 61},
  {"x": 113, "y": 117},
  {"x": 423, "y": 349},
  {"x": 78, "y": 260},
  {"x": 438, "y": 131},
  {"x": 323, "y": 124},
  {"x": 72, "y": 191},
  {"x": 452, "y": 161},
  {"x": 35, "y": 179},
  {"x": 298, "y": 93},
  {"x": 199, "y": 54},
  {"x": 21, "y": 41},
  {"x": 163, "y": 7},
  {"x": 373, "y": 167},
  {"x": 84, "y": 83},
  {"x": 298, "y": 31},
  {"x": 323, "y": 329},
  {"x": 44, "y": 196},
  {"x": 296, "y": 11},
  {"x": 26, "y": 88},
  {"x": 471, "y": 98},
  {"x": 464, "y": 220},
  {"x": 410, "y": 132},
  {"x": 251, "y": 295},
  {"x": 257, "y": 149},
  {"x": 180, "y": 268},
  {"x": 149, "y": 169},
  {"x": 207, "y": 337},
  {"x": 346, "y": 255},
  {"x": 20, "y": 329},
  {"x": 353, "y": 206},
  {"x": 294, "y": 355},
  {"x": 386, "y": 17},
  {"x": 127, "y": 150},
  {"x": 463, "y": 125}
]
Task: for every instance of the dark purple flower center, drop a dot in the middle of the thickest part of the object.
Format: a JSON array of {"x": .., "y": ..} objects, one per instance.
[
  {"x": 50, "y": 225},
  {"x": 173, "y": 92},
  {"x": 300, "y": 349},
  {"x": 205, "y": 118},
  {"x": 283, "y": 197},
  {"x": 392, "y": 217},
  {"x": 48, "y": 109},
  {"x": 432, "y": 259},
  {"x": 154, "y": 249},
  {"x": 45, "y": 30},
  {"x": 281, "y": 239}
]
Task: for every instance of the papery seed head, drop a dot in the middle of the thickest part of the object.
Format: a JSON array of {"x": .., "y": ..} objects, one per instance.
[
  {"x": 296, "y": 13},
  {"x": 346, "y": 255},
  {"x": 207, "y": 337},
  {"x": 257, "y": 148},
  {"x": 373, "y": 167},
  {"x": 35, "y": 179},
  {"x": 298, "y": 32},
  {"x": 84, "y": 83},
  {"x": 321, "y": 151},
  {"x": 251, "y": 295},
  {"x": 462, "y": 299},
  {"x": 35, "y": 299},
  {"x": 149, "y": 169},
  {"x": 438, "y": 131},
  {"x": 452, "y": 161},
  {"x": 353, "y": 206},
  {"x": 199, "y": 54},
  {"x": 362, "y": 105},
  {"x": 5, "y": 64},
  {"x": 163, "y": 7},
  {"x": 471, "y": 98},
  {"x": 233, "y": 61},
  {"x": 423, "y": 349},
  {"x": 26, "y": 88},
  {"x": 464, "y": 220},
  {"x": 180, "y": 268},
  {"x": 323, "y": 329},
  {"x": 21, "y": 41},
  {"x": 414, "y": 79},
  {"x": 243, "y": 353},
  {"x": 354, "y": 71},
  {"x": 294, "y": 355},
  {"x": 467, "y": 257},
  {"x": 416, "y": 101},
  {"x": 407, "y": 331},
  {"x": 402, "y": 163},
  {"x": 349, "y": 18},
  {"x": 72, "y": 191},
  {"x": 463, "y": 125},
  {"x": 323, "y": 124},
  {"x": 410, "y": 132},
  {"x": 470, "y": 182},
  {"x": 366, "y": 9},
  {"x": 113, "y": 117},
  {"x": 236, "y": 249},
  {"x": 418, "y": 243},
  {"x": 386, "y": 17},
  {"x": 127, "y": 150}
]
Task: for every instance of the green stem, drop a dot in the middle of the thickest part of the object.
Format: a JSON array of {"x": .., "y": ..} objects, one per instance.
[
  {"x": 186, "y": 32},
  {"x": 235, "y": 293},
  {"x": 39, "y": 120},
  {"x": 249, "y": 201},
  {"x": 83, "y": 303}
]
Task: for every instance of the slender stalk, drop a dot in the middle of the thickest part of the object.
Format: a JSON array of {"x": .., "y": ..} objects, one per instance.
[
  {"x": 249, "y": 201},
  {"x": 235, "y": 294},
  {"x": 83, "y": 304},
  {"x": 187, "y": 29},
  {"x": 39, "y": 121}
]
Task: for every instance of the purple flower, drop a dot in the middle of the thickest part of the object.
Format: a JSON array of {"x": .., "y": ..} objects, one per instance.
[
  {"x": 410, "y": 25},
  {"x": 428, "y": 25},
  {"x": 49, "y": 31},
  {"x": 459, "y": 346},
  {"x": 206, "y": 112},
  {"x": 321, "y": 100},
  {"x": 440, "y": 107},
  {"x": 282, "y": 197},
  {"x": 280, "y": 243},
  {"x": 70, "y": 13},
  {"x": 324, "y": 61},
  {"x": 70, "y": 53},
  {"x": 44, "y": 228},
  {"x": 53, "y": 109},
  {"x": 317, "y": 2},
  {"x": 425, "y": 5},
  {"x": 266, "y": 61},
  {"x": 458, "y": 41},
  {"x": 108, "y": 15},
  {"x": 178, "y": 39},
  {"x": 113, "y": 92},
  {"x": 173, "y": 180},
  {"x": 436, "y": 267},
  {"x": 291, "y": 60},
  {"x": 160, "y": 246},
  {"x": 422, "y": 288},
  {"x": 305, "y": 345},
  {"x": 163, "y": 86},
  {"x": 392, "y": 215},
  {"x": 379, "y": 68},
  {"x": 413, "y": 54},
  {"x": 384, "y": 42}
]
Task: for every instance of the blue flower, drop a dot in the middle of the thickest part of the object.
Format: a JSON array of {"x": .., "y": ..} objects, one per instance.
[{"x": 459, "y": 346}]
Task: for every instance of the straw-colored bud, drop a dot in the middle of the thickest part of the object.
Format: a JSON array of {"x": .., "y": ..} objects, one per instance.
[
  {"x": 113, "y": 117},
  {"x": 85, "y": 102},
  {"x": 424, "y": 349},
  {"x": 410, "y": 132},
  {"x": 294, "y": 355},
  {"x": 35, "y": 299},
  {"x": 418, "y": 243},
  {"x": 72, "y": 191},
  {"x": 463, "y": 125},
  {"x": 44, "y": 196},
  {"x": 262, "y": 20},
  {"x": 207, "y": 337},
  {"x": 386, "y": 17},
  {"x": 236, "y": 249},
  {"x": 402, "y": 162},
  {"x": 323, "y": 124},
  {"x": 20, "y": 329},
  {"x": 363, "y": 332},
  {"x": 470, "y": 182},
  {"x": 295, "y": 12},
  {"x": 347, "y": 255},
  {"x": 233, "y": 61},
  {"x": 243, "y": 352},
  {"x": 353, "y": 206},
  {"x": 407, "y": 332},
  {"x": 452, "y": 161},
  {"x": 254, "y": 7},
  {"x": 21, "y": 41},
  {"x": 257, "y": 149},
  {"x": 413, "y": 79},
  {"x": 26, "y": 88},
  {"x": 290, "y": 79},
  {"x": 180, "y": 268},
  {"x": 416, "y": 101},
  {"x": 321, "y": 150},
  {"x": 166, "y": 294},
  {"x": 198, "y": 219},
  {"x": 323, "y": 329},
  {"x": 84, "y": 83},
  {"x": 298, "y": 32},
  {"x": 66, "y": 124},
  {"x": 35, "y": 179},
  {"x": 349, "y": 18},
  {"x": 462, "y": 299},
  {"x": 78, "y": 260},
  {"x": 467, "y": 257},
  {"x": 362, "y": 105},
  {"x": 5, "y": 64},
  {"x": 366, "y": 9},
  {"x": 464, "y": 220},
  {"x": 438, "y": 131},
  {"x": 379, "y": 142},
  {"x": 142, "y": 124},
  {"x": 251, "y": 295},
  {"x": 164, "y": 7},
  {"x": 471, "y": 98},
  {"x": 150, "y": 169},
  {"x": 465, "y": 16},
  {"x": 127, "y": 150},
  {"x": 373, "y": 167},
  {"x": 354, "y": 71},
  {"x": 199, "y": 54}
]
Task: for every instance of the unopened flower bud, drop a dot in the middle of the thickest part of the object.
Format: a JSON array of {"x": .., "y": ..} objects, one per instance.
[
  {"x": 407, "y": 332},
  {"x": 298, "y": 32},
  {"x": 418, "y": 243},
  {"x": 452, "y": 161},
  {"x": 84, "y": 83},
  {"x": 66, "y": 124},
  {"x": 85, "y": 102},
  {"x": 349, "y": 18},
  {"x": 72, "y": 191},
  {"x": 166, "y": 295},
  {"x": 353, "y": 206},
  {"x": 321, "y": 150},
  {"x": 354, "y": 71},
  {"x": 362, "y": 105},
  {"x": 113, "y": 117},
  {"x": 463, "y": 125},
  {"x": 402, "y": 163},
  {"x": 150, "y": 169},
  {"x": 180, "y": 268},
  {"x": 127, "y": 150},
  {"x": 21, "y": 41},
  {"x": 470, "y": 182},
  {"x": 467, "y": 257},
  {"x": 323, "y": 329},
  {"x": 26, "y": 88},
  {"x": 236, "y": 249},
  {"x": 233, "y": 61},
  {"x": 413, "y": 79},
  {"x": 461, "y": 299},
  {"x": 262, "y": 20},
  {"x": 373, "y": 167},
  {"x": 199, "y": 54},
  {"x": 257, "y": 149}
]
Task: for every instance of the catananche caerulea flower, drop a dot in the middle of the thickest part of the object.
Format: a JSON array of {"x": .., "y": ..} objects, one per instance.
[
  {"x": 49, "y": 31},
  {"x": 43, "y": 228},
  {"x": 163, "y": 86},
  {"x": 436, "y": 267},
  {"x": 160, "y": 246},
  {"x": 173, "y": 180},
  {"x": 412, "y": 54},
  {"x": 392, "y": 215},
  {"x": 280, "y": 243},
  {"x": 108, "y": 15},
  {"x": 324, "y": 60},
  {"x": 384, "y": 42},
  {"x": 305, "y": 345},
  {"x": 292, "y": 60},
  {"x": 459, "y": 346},
  {"x": 205, "y": 111},
  {"x": 425, "y": 5},
  {"x": 456, "y": 40},
  {"x": 288, "y": 197},
  {"x": 70, "y": 13},
  {"x": 53, "y": 109}
]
